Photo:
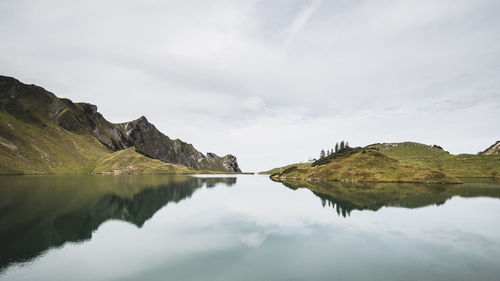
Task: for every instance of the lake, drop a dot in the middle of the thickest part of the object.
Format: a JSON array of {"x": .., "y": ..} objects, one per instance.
[{"x": 245, "y": 227}]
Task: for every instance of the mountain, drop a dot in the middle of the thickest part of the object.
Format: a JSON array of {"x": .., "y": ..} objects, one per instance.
[
  {"x": 494, "y": 149},
  {"x": 363, "y": 165},
  {"x": 487, "y": 164},
  {"x": 41, "y": 133}
]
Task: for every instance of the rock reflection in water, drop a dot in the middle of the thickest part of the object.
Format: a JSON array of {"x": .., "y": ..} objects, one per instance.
[{"x": 41, "y": 212}]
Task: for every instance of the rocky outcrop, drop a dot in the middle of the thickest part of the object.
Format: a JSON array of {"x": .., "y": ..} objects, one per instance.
[
  {"x": 149, "y": 141},
  {"x": 36, "y": 105},
  {"x": 492, "y": 150}
]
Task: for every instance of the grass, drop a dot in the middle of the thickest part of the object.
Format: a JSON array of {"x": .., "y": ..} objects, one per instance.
[
  {"x": 128, "y": 161},
  {"x": 281, "y": 169},
  {"x": 461, "y": 165},
  {"x": 366, "y": 165},
  {"x": 28, "y": 148}
]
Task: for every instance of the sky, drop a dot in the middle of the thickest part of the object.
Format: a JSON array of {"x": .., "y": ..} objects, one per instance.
[{"x": 271, "y": 82}]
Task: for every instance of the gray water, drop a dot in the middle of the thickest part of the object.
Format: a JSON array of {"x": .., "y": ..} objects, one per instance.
[{"x": 245, "y": 228}]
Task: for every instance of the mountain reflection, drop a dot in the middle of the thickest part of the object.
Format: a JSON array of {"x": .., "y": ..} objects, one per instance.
[
  {"x": 41, "y": 212},
  {"x": 346, "y": 197}
]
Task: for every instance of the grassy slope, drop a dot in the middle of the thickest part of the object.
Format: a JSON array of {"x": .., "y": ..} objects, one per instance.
[
  {"x": 281, "y": 169},
  {"x": 367, "y": 165},
  {"x": 128, "y": 161},
  {"x": 27, "y": 148},
  {"x": 462, "y": 165}
]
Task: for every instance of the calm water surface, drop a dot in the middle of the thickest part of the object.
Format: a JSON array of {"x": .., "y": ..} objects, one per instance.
[{"x": 245, "y": 228}]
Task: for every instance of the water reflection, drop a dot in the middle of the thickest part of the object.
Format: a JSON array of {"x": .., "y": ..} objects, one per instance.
[
  {"x": 346, "y": 197},
  {"x": 38, "y": 213}
]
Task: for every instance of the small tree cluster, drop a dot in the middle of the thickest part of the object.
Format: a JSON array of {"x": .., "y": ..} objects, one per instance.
[
  {"x": 339, "y": 147},
  {"x": 322, "y": 153}
]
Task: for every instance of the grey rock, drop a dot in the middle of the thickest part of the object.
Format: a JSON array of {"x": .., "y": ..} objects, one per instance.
[{"x": 492, "y": 150}]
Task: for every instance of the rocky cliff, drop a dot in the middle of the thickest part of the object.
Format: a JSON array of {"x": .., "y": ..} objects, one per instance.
[
  {"x": 492, "y": 150},
  {"x": 34, "y": 105}
]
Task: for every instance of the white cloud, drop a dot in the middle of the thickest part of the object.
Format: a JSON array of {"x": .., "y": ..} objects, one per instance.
[
  {"x": 301, "y": 19},
  {"x": 270, "y": 81}
]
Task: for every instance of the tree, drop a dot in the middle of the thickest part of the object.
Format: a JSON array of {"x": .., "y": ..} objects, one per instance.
[
  {"x": 346, "y": 144},
  {"x": 322, "y": 153},
  {"x": 336, "y": 147},
  {"x": 328, "y": 153},
  {"x": 342, "y": 145}
]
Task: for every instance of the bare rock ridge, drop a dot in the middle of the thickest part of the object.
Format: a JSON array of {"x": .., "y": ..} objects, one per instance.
[
  {"x": 494, "y": 149},
  {"x": 148, "y": 140},
  {"x": 35, "y": 105}
]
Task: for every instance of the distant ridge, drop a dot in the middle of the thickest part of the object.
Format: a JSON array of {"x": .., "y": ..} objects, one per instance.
[
  {"x": 433, "y": 157},
  {"x": 363, "y": 165}
]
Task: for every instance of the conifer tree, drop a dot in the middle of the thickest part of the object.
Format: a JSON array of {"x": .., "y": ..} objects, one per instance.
[
  {"x": 342, "y": 145},
  {"x": 322, "y": 153},
  {"x": 336, "y": 147}
]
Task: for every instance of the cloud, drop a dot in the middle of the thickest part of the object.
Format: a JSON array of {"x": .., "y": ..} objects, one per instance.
[
  {"x": 301, "y": 19},
  {"x": 269, "y": 81}
]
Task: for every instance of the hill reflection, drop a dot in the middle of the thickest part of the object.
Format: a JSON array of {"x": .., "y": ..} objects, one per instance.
[
  {"x": 41, "y": 212},
  {"x": 346, "y": 197}
]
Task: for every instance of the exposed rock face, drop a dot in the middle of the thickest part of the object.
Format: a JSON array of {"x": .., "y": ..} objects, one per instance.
[
  {"x": 151, "y": 142},
  {"x": 494, "y": 149},
  {"x": 35, "y": 105}
]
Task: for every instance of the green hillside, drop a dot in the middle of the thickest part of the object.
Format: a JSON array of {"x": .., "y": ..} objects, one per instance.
[
  {"x": 32, "y": 149},
  {"x": 128, "y": 161},
  {"x": 281, "y": 169},
  {"x": 364, "y": 165},
  {"x": 27, "y": 148},
  {"x": 434, "y": 157}
]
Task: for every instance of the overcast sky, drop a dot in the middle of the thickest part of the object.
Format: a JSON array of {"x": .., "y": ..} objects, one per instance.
[{"x": 271, "y": 82}]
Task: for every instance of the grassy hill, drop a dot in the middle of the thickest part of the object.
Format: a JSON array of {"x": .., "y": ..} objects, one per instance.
[
  {"x": 281, "y": 169},
  {"x": 364, "y": 165},
  {"x": 128, "y": 161},
  {"x": 27, "y": 148},
  {"x": 434, "y": 157}
]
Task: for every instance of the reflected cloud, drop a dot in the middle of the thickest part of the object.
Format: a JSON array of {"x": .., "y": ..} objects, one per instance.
[
  {"x": 39, "y": 213},
  {"x": 253, "y": 239}
]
